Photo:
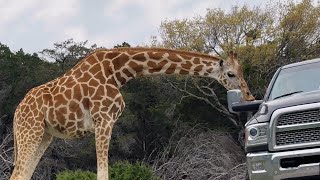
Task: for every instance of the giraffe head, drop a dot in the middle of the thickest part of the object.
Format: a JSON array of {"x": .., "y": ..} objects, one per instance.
[{"x": 231, "y": 76}]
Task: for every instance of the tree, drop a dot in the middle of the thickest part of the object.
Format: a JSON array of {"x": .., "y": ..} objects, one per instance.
[
  {"x": 68, "y": 53},
  {"x": 265, "y": 39}
]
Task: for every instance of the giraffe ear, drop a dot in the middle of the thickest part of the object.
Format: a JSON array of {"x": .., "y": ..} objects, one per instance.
[{"x": 221, "y": 64}]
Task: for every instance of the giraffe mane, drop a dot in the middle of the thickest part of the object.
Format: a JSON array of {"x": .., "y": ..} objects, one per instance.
[{"x": 182, "y": 52}]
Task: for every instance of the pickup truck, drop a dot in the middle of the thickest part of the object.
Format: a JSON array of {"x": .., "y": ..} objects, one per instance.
[{"x": 282, "y": 137}]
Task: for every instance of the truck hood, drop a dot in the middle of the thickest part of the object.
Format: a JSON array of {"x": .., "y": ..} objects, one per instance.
[{"x": 288, "y": 101}]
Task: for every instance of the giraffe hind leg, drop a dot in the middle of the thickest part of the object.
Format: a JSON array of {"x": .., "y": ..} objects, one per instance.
[
  {"x": 46, "y": 140},
  {"x": 30, "y": 147}
]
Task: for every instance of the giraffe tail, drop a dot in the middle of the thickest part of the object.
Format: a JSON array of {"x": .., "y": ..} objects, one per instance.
[{"x": 15, "y": 147}]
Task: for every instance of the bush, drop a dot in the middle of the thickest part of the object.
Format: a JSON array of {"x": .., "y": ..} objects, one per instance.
[
  {"x": 118, "y": 171},
  {"x": 126, "y": 171},
  {"x": 76, "y": 175}
]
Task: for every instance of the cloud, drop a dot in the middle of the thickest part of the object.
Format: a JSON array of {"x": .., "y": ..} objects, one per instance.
[
  {"x": 11, "y": 10},
  {"x": 57, "y": 12},
  {"x": 78, "y": 33}
]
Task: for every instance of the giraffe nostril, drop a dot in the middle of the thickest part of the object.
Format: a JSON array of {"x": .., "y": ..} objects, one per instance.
[{"x": 248, "y": 94}]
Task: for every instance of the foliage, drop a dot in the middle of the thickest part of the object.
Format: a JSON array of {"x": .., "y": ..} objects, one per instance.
[
  {"x": 76, "y": 175},
  {"x": 127, "y": 171},
  {"x": 119, "y": 171},
  {"x": 68, "y": 53},
  {"x": 124, "y": 44},
  {"x": 265, "y": 38}
]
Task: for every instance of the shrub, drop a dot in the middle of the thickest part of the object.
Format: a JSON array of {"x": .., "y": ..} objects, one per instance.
[
  {"x": 76, "y": 175},
  {"x": 126, "y": 171},
  {"x": 119, "y": 171}
]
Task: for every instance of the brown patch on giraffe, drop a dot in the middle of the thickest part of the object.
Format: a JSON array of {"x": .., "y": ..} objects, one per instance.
[
  {"x": 92, "y": 60},
  {"x": 68, "y": 93},
  {"x": 61, "y": 128},
  {"x": 106, "y": 103},
  {"x": 70, "y": 123},
  {"x": 100, "y": 77},
  {"x": 70, "y": 82},
  {"x": 114, "y": 109},
  {"x": 104, "y": 109},
  {"x": 159, "y": 66},
  {"x": 72, "y": 116},
  {"x": 111, "y": 81},
  {"x": 198, "y": 68},
  {"x": 127, "y": 72},
  {"x": 95, "y": 69},
  {"x": 186, "y": 57},
  {"x": 196, "y": 60},
  {"x": 207, "y": 63},
  {"x": 120, "y": 61},
  {"x": 138, "y": 68},
  {"x": 85, "y": 90},
  {"x": 55, "y": 90},
  {"x": 187, "y": 65},
  {"x": 106, "y": 65},
  {"x": 174, "y": 57},
  {"x": 86, "y": 103},
  {"x": 93, "y": 83},
  {"x": 84, "y": 67},
  {"x": 62, "y": 80},
  {"x": 80, "y": 124},
  {"x": 99, "y": 93},
  {"x": 111, "y": 92},
  {"x": 59, "y": 100},
  {"x": 63, "y": 110},
  {"x": 62, "y": 89},
  {"x": 77, "y": 73},
  {"x": 111, "y": 55},
  {"x": 77, "y": 92},
  {"x": 139, "y": 56},
  {"x": 73, "y": 106},
  {"x": 33, "y": 106},
  {"x": 155, "y": 55},
  {"x": 100, "y": 55},
  {"x": 171, "y": 69},
  {"x": 210, "y": 70},
  {"x": 51, "y": 113},
  {"x": 108, "y": 130},
  {"x": 91, "y": 91},
  {"x": 60, "y": 117},
  {"x": 152, "y": 64},
  {"x": 72, "y": 129},
  {"x": 182, "y": 71},
  {"x": 121, "y": 79}
]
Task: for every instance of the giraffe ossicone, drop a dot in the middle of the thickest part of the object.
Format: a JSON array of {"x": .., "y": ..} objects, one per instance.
[{"x": 87, "y": 98}]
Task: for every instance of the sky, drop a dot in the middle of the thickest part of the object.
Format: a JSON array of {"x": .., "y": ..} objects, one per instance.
[{"x": 34, "y": 25}]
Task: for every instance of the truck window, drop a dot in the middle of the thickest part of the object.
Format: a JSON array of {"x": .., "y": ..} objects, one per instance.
[{"x": 299, "y": 78}]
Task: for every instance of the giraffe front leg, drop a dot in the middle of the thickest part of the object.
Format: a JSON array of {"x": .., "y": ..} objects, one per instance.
[{"x": 102, "y": 136}]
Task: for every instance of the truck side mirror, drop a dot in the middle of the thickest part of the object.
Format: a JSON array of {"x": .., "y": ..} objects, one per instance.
[
  {"x": 234, "y": 97},
  {"x": 237, "y": 104}
]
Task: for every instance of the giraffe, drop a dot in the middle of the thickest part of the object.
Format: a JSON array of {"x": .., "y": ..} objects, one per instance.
[{"x": 87, "y": 98}]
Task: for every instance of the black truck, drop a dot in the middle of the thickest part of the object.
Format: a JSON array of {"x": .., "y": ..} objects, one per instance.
[{"x": 282, "y": 138}]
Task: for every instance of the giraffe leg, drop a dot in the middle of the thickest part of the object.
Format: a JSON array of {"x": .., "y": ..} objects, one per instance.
[
  {"x": 102, "y": 136},
  {"x": 46, "y": 140},
  {"x": 30, "y": 147}
]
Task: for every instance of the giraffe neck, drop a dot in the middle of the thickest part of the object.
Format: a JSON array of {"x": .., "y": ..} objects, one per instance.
[{"x": 126, "y": 64}]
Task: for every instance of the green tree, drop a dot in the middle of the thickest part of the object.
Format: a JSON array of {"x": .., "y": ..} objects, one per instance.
[
  {"x": 68, "y": 53},
  {"x": 265, "y": 38}
]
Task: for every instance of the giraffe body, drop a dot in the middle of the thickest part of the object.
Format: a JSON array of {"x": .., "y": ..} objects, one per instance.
[{"x": 87, "y": 99}]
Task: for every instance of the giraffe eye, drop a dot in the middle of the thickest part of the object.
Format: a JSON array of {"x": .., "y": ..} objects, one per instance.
[{"x": 231, "y": 75}]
